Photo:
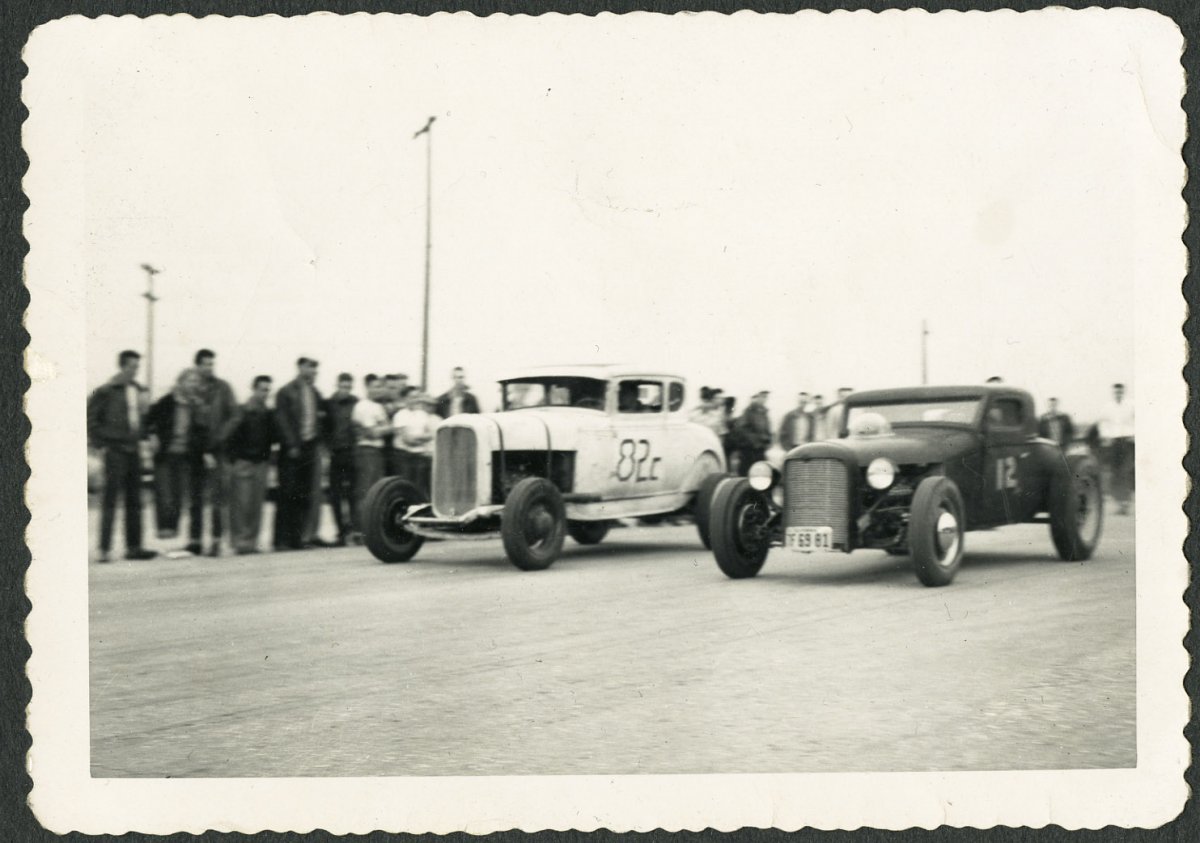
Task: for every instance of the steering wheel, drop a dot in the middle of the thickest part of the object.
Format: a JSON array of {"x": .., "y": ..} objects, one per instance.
[{"x": 590, "y": 404}]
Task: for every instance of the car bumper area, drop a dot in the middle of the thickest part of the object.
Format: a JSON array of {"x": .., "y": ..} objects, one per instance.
[{"x": 475, "y": 523}]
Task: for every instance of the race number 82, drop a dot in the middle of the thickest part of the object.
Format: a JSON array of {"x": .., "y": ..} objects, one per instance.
[{"x": 634, "y": 461}]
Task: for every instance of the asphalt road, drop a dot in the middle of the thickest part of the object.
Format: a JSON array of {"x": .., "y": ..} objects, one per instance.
[{"x": 634, "y": 656}]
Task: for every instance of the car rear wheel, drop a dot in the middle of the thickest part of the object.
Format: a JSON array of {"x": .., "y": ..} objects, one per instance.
[
  {"x": 1076, "y": 510},
  {"x": 588, "y": 532},
  {"x": 935, "y": 531},
  {"x": 533, "y": 525},
  {"x": 702, "y": 508},
  {"x": 384, "y": 507},
  {"x": 740, "y": 533}
]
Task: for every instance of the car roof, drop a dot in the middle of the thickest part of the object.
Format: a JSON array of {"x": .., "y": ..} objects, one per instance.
[
  {"x": 599, "y": 371},
  {"x": 931, "y": 393}
]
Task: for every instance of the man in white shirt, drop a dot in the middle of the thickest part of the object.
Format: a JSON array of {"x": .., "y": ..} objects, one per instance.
[
  {"x": 1116, "y": 438},
  {"x": 413, "y": 442},
  {"x": 371, "y": 424}
]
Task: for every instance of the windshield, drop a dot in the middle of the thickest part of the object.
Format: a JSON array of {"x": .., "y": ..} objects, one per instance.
[
  {"x": 587, "y": 393},
  {"x": 952, "y": 411}
]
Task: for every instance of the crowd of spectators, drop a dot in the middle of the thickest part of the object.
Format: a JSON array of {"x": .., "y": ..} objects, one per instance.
[{"x": 214, "y": 455}]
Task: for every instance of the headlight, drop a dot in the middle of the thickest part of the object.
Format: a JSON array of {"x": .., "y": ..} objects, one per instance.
[
  {"x": 881, "y": 473},
  {"x": 761, "y": 476}
]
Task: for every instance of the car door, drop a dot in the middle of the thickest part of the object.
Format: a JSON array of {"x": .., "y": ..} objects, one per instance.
[
  {"x": 639, "y": 459},
  {"x": 1010, "y": 466}
]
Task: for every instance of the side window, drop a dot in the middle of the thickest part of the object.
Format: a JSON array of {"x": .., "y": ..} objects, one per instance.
[
  {"x": 639, "y": 396},
  {"x": 1005, "y": 412},
  {"x": 676, "y": 394}
]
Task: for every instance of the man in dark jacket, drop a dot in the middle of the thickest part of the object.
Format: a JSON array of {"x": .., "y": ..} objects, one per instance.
[
  {"x": 298, "y": 417},
  {"x": 179, "y": 454},
  {"x": 755, "y": 429},
  {"x": 116, "y": 423},
  {"x": 215, "y": 406},
  {"x": 796, "y": 427},
  {"x": 341, "y": 441},
  {"x": 1056, "y": 426},
  {"x": 247, "y": 441},
  {"x": 458, "y": 399}
]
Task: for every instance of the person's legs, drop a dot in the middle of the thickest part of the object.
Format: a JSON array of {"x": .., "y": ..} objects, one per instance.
[
  {"x": 218, "y": 485},
  {"x": 132, "y": 483},
  {"x": 108, "y": 501},
  {"x": 310, "y": 523},
  {"x": 197, "y": 482},
  {"x": 285, "y": 481},
  {"x": 257, "y": 483},
  {"x": 341, "y": 490},
  {"x": 240, "y": 491}
]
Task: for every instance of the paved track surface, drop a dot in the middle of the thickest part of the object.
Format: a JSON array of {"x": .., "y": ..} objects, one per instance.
[{"x": 633, "y": 656}]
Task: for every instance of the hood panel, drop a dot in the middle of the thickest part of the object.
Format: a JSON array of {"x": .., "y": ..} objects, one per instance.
[
  {"x": 908, "y": 446},
  {"x": 527, "y": 430}
]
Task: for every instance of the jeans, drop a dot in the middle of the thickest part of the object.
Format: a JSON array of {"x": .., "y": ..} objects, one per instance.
[
  {"x": 248, "y": 489},
  {"x": 170, "y": 474},
  {"x": 342, "y": 490},
  {"x": 206, "y": 485},
  {"x": 294, "y": 495},
  {"x": 1121, "y": 462},
  {"x": 122, "y": 479}
]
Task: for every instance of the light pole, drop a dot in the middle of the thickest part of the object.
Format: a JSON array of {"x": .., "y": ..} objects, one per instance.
[
  {"x": 150, "y": 300},
  {"x": 427, "y": 130},
  {"x": 924, "y": 355}
]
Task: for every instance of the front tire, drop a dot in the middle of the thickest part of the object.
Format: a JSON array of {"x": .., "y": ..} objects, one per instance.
[
  {"x": 1076, "y": 510},
  {"x": 739, "y": 527},
  {"x": 935, "y": 531},
  {"x": 588, "y": 532},
  {"x": 702, "y": 508},
  {"x": 384, "y": 507},
  {"x": 533, "y": 525}
]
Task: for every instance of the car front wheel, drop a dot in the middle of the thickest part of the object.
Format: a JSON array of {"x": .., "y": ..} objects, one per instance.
[
  {"x": 740, "y": 531},
  {"x": 533, "y": 525},
  {"x": 384, "y": 507},
  {"x": 1076, "y": 510},
  {"x": 588, "y": 532},
  {"x": 935, "y": 531}
]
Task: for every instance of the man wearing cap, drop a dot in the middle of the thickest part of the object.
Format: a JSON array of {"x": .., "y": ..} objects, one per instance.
[
  {"x": 755, "y": 428},
  {"x": 414, "y": 426}
]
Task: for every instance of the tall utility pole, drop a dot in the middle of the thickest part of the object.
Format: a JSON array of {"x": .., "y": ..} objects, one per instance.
[
  {"x": 924, "y": 354},
  {"x": 427, "y": 131},
  {"x": 150, "y": 300}
]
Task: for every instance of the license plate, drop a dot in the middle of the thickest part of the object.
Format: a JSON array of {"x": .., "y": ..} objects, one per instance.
[{"x": 808, "y": 539}]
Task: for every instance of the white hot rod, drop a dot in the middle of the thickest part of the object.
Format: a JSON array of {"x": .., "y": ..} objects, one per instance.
[{"x": 573, "y": 448}]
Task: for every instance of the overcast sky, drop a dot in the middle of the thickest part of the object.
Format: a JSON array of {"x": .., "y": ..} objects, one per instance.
[{"x": 753, "y": 201}]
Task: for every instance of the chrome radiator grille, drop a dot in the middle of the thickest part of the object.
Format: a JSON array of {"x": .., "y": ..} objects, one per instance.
[
  {"x": 454, "y": 471},
  {"x": 817, "y": 494}
]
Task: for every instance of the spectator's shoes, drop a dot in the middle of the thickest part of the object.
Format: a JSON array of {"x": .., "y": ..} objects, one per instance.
[
  {"x": 140, "y": 553},
  {"x": 104, "y": 556},
  {"x": 193, "y": 548},
  {"x": 215, "y": 550},
  {"x": 322, "y": 543},
  {"x": 246, "y": 551}
]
